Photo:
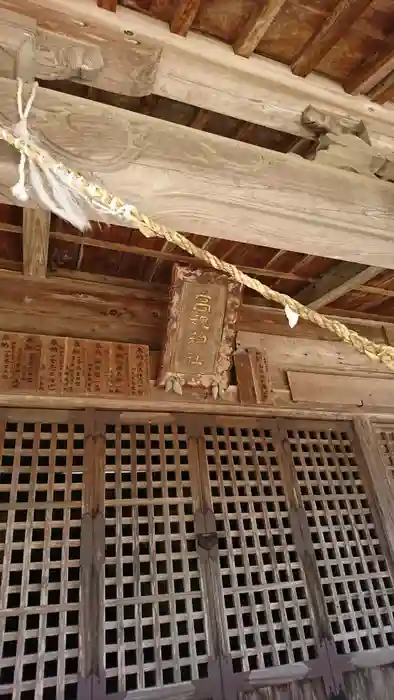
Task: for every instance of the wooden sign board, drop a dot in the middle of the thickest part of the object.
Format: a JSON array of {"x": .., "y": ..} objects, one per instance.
[
  {"x": 201, "y": 331},
  {"x": 43, "y": 365}
]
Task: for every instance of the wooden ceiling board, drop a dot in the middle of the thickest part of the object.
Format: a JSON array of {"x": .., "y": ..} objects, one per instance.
[
  {"x": 349, "y": 44},
  {"x": 347, "y": 55}
]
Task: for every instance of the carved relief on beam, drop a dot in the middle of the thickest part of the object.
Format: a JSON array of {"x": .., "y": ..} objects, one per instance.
[
  {"x": 128, "y": 70},
  {"x": 345, "y": 144},
  {"x": 125, "y": 67}
]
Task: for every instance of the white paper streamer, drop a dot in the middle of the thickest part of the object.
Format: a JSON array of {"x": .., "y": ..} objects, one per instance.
[
  {"x": 292, "y": 316},
  {"x": 48, "y": 188}
]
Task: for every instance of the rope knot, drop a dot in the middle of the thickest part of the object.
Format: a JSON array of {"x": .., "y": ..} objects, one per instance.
[{"x": 19, "y": 189}]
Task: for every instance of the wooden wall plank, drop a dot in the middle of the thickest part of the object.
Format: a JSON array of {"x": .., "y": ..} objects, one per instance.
[{"x": 341, "y": 389}]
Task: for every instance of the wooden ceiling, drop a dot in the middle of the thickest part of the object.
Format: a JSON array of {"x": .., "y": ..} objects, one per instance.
[
  {"x": 115, "y": 254},
  {"x": 350, "y": 41}
]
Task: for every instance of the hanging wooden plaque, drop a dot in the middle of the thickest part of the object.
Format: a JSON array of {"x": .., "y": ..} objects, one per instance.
[
  {"x": 201, "y": 330},
  {"x": 42, "y": 365}
]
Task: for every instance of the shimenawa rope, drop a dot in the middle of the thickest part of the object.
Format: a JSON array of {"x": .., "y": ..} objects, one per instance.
[{"x": 98, "y": 199}]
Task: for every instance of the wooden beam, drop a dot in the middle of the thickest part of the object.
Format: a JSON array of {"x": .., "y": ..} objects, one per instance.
[
  {"x": 337, "y": 23},
  {"x": 335, "y": 283},
  {"x": 129, "y": 54},
  {"x": 190, "y": 180},
  {"x": 76, "y": 304},
  {"x": 185, "y": 13},
  {"x": 257, "y": 25},
  {"x": 164, "y": 254},
  {"x": 374, "y": 69},
  {"x": 36, "y": 226}
]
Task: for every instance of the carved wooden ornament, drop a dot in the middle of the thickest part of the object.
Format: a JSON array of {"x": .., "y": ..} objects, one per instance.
[{"x": 201, "y": 331}]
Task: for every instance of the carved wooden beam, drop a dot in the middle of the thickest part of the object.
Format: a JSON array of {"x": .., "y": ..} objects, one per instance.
[
  {"x": 36, "y": 225},
  {"x": 201, "y": 183},
  {"x": 130, "y": 54},
  {"x": 342, "y": 278}
]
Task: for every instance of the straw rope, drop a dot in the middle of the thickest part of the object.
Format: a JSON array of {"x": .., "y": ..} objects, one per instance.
[{"x": 103, "y": 201}]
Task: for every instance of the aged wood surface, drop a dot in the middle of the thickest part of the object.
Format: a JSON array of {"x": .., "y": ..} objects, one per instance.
[
  {"x": 197, "y": 71},
  {"x": 253, "y": 376},
  {"x": 379, "y": 481},
  {"x": 345, "y": 13},
  {"x": 341, "y": 389},
  {"x": 336, "y": 283},
  {"x": 257, "y": 25},
  {"x": 36, "y": 226},
  {"x": 374, "y": 69},
  {"x": 201, "y": 331},
  {"x": 185, "y": 13},
  {"x": 319, "y": 371},
  {"x": 130, "y": 312},
  {"x": 175, "y": 174},
  {"x": 72, "y": 366}
]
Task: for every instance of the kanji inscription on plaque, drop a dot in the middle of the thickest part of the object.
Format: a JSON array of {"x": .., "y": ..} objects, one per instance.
[
  {"x": 72, "y": 366},
  {"x": 201, "y": 330}
]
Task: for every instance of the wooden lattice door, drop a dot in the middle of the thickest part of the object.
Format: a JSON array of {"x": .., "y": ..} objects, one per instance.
[
  {"x": 203, "y": 558},
  {"x": 41, "y": 502}
]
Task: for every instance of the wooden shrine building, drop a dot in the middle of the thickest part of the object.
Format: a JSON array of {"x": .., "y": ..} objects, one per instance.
[{"x": 197, "y": 500}]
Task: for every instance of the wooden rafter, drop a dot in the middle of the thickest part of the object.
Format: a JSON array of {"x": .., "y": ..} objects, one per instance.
[
  {"x": 184, "y": 15},
  {"x": 335, "y": 283},
  {"x": 374, "y": 69},
  {"x": 164, "y": 255},
  {"x": 383, "y": 91},
  {"x": 195, "y": 70},
  {"x": 333, "y": 28},
  {"x": 36, "y": 225},
  {"x": 257, "y": 25}
]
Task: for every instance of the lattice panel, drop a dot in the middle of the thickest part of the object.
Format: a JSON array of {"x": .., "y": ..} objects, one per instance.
[
  {"x": 357, "y": 586},
  {"x": 155, "y": 618},
  {"x": 385, "y": 434},
  {"x": 265, "y": 601},
  {"x": 41, "y": 492}
]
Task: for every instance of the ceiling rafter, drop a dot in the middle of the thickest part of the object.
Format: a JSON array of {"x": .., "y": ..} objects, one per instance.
[
  {"x": 335, "y": 283},
  {"x": 256, "y": 27},
  {"x": 331, "y": 31},
  {"x": 164, "y": 255},
  {"x": 184, "y": 15},
  {"x": 374, "y": 69}
]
